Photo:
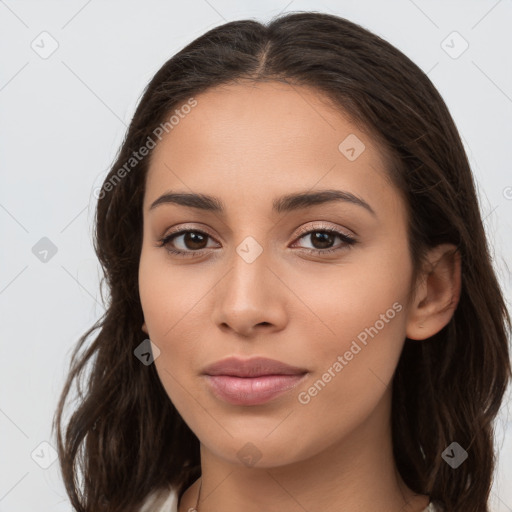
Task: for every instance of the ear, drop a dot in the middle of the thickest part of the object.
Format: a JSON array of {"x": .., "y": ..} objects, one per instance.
[
  {"x": 144, "y": 328},
  {"x": 437, "y": 293}
]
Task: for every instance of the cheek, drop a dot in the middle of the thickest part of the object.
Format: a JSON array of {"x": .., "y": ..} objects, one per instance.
[
  {"x": 173, "y": 307},
  {"x": 367, "y": 291},
  {"x": 169, "y": 296},
  {"x": 354, "y": 368},
  {"x": 361, "y": 318}
]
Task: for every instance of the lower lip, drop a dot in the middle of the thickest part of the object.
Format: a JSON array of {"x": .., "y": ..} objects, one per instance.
[{"x": 251, "y": 390}]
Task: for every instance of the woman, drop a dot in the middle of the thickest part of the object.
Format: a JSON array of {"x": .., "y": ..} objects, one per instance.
[{"x": 303, "y": 313}]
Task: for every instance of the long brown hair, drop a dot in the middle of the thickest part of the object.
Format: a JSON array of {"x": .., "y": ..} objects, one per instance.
[{"x": 125, "y": 439}]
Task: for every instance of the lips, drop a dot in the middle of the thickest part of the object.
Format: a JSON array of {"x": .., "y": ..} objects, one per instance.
[
  {"x": 255, "y": 367},
  {"x": 253, "y": 381}
]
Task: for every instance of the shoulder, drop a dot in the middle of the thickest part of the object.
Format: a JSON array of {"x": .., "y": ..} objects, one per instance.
[
  {"x": 161, "y": 500},
  {"x": 166, "y": 500},
  {"x": 432, "y": 508}
]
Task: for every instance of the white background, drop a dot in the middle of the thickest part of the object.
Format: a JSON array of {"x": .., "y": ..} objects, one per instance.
[{"x": 63, "y": 119}]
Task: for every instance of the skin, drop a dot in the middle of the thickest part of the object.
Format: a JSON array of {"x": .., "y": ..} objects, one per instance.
[{"x": 248, "y": 144}]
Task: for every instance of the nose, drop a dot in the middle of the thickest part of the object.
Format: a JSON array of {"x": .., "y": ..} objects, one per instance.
[{"x": 251, "y": 298}]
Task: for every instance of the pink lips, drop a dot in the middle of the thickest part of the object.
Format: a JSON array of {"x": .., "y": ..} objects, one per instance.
[{"x": 252, "y": 381}]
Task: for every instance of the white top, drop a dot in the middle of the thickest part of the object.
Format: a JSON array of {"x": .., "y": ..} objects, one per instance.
[{"x": 169, "y": 503}]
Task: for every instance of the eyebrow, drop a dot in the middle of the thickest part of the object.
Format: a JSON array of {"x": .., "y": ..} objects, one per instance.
[{"x": 286, "y": 203}]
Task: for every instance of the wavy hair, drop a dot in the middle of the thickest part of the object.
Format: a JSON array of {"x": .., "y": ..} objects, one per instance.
[{"x": 125, "y": 440}]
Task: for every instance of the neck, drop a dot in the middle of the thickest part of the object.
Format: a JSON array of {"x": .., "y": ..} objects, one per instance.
[{"x": 356, "y": 473}]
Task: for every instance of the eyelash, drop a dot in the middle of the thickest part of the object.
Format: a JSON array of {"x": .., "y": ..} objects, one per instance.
[{"x": 347, "y": 240}]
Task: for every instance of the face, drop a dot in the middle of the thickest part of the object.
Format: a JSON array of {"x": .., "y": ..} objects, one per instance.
[{"x": 320, "y": 285}]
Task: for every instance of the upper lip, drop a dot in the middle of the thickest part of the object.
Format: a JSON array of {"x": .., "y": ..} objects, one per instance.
[{"x": 254, "y": 367}]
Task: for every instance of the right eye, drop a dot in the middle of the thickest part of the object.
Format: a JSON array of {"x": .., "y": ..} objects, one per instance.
[{"x": 192, "y": 242}]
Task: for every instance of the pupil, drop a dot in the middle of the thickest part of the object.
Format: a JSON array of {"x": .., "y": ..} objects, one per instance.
[
  {"x": 322, "y": 237},
  {"x": 194, "y": 238}
]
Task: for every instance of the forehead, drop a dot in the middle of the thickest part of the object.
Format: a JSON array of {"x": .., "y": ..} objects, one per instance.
[
  {"x": 254, "y": 137},
  {"x": 274, "y": 114}
]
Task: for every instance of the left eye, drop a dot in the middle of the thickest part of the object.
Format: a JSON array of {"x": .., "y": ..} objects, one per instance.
[{"x": 322, "y": 240}]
